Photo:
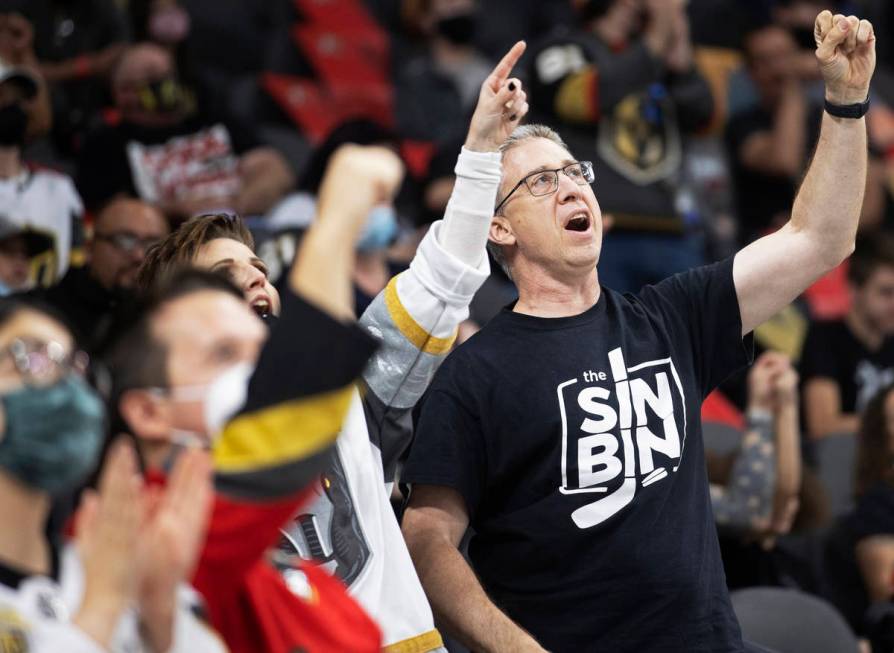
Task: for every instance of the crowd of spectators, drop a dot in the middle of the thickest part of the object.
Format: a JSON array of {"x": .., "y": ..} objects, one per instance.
[{"x": 122, "y": 121}]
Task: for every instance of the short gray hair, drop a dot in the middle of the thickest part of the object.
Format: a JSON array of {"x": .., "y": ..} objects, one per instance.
[{"x": 518, "y": 136}]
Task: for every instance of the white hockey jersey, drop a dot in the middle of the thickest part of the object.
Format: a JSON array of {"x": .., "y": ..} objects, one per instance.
[
  {"x": 351, "y": 528},
  {"x": 35, "y": 617}
]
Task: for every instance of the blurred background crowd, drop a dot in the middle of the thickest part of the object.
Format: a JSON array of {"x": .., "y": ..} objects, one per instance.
[{"x": 120, "y": 119}]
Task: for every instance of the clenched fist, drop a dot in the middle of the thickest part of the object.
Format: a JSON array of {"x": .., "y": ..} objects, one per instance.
[
  {"x": 845, "y": 49},
  {"x": 358, "y": 178}
]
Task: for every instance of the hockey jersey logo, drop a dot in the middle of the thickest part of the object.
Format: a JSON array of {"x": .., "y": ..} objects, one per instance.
[
  {"x": 328, "y": 532},
  {"x": 639, "y": 138}
]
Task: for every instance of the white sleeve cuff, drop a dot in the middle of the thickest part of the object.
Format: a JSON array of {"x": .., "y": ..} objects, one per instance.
[{"x": 444, "y": 274}]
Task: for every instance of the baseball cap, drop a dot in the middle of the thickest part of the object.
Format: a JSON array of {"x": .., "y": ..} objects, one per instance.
[
  {"x": 35, "y": 242},
  {"x": 23, "y": 77}
]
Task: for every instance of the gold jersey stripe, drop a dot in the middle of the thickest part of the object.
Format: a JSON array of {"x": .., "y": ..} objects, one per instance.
[
  {"x": 419, "y": 644},
  {"x": 410, "y": 328},
  {"x": 289, "y": 431}
]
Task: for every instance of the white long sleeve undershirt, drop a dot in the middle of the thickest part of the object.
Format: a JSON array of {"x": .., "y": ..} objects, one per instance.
[{"x": 470, "y": 209}]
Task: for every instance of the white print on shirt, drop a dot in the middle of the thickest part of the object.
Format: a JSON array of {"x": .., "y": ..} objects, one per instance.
[
  {"x": 195, "y": 166},
  {"x": 870, "y": 379},
  {"x": 648, "y": 397}
]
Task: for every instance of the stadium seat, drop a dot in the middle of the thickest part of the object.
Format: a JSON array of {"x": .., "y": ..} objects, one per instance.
[
  {"x": 721, "y": 438},
  {"x": 835, "y": 460},
  {"x": 790, "y": 621}
]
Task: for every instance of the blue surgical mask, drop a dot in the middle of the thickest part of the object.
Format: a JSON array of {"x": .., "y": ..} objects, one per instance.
[
  {"x": 53, "y": 434},
  {"x": 380, "y": 229}
]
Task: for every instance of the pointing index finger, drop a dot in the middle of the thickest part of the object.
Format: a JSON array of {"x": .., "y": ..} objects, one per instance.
[{"x": 504, "y": 68}]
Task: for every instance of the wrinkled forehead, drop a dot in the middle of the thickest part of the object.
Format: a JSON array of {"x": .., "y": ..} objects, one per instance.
[{"x": 530, "y": 155}]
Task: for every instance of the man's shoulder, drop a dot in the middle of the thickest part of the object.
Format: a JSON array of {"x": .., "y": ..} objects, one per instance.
[
  {"x": 480, "y": 350},
  {"x": 682, "y": 288}
]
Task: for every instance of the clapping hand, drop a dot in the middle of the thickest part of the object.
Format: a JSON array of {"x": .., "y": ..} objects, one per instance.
[
  {"x": 772, "y": 382},
  {"x": 173, "y": 533},
  {"x": 107, "y": 533}
]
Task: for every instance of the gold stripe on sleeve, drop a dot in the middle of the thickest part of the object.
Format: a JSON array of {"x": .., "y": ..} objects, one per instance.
[
  {"x": 410, "y": 328},
  {"x": 289, "y": 431},
  {"x": 423, "y": 643}
]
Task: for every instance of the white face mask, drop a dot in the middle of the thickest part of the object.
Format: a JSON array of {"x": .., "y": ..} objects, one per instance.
[{"x": 222, "y": 398}]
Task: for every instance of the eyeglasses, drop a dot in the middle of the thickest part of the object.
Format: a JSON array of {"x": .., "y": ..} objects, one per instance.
[
  {"x": 546, "y": 182},
  {"x": 44, "y": 363},
  {"x": 127, "y": 241}
]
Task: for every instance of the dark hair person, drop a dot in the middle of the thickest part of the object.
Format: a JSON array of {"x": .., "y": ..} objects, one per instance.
[
  {"x": 222, "y": 243},
  {"x": 51, "y": 430}
]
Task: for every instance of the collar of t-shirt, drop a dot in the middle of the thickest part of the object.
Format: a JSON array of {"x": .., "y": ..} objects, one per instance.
[{"x": 524, "y": 320}]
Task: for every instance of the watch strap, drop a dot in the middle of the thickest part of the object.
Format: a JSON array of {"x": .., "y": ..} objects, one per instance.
[{"x": 847, "y": 110}]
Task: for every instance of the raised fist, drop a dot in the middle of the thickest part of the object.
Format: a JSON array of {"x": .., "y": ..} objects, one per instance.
[
  {"x": 845, "y": 50},
  {"x": 358, "y": 178}
]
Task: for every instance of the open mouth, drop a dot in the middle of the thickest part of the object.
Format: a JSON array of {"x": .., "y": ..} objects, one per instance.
[
  {"x": 578, "y": 222},
  {"x": 261, "y": 306}
]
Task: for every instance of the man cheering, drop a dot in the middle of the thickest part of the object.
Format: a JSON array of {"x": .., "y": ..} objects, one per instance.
[{"x": 567, "y": 432}]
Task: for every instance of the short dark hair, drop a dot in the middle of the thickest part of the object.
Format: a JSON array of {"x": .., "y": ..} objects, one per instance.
[
  {"x": 15, "y": 304},
  {"x": 179, "y": 247},
  {"x": 871, "y": 252},
  {"x": 136, "y": 358}
]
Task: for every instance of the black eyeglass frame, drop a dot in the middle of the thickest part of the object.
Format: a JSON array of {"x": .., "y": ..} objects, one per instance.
[{"x": 586, "y": 168}]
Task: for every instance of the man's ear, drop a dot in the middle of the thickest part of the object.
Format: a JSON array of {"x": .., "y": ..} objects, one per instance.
[
  {"x": 501, "y": 231},
  {"x": 147, "y": 415}
]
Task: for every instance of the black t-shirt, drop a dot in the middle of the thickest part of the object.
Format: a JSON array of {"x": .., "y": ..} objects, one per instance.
[
  {"x": 874, "y": 514},
  {"x": 576, "y": 443},
  {"x": 831, "y": 351}
]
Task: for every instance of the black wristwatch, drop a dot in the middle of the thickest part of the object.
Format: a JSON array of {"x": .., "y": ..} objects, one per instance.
[{"x": 847, "y": 110}]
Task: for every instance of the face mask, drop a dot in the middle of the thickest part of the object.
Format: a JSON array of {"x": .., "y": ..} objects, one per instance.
[
  {"x": 53, "y": 434},
  {"x": 458, "y": 29},
  {"x": 166, "y": 96},
  {"x": 222, "y": 398},
  {"x": 380, "y": 229},
  {"x": 13, "y": 125}
]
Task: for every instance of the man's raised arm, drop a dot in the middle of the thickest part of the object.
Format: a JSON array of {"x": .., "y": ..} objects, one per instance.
[{"x": 774, "y": 270}]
